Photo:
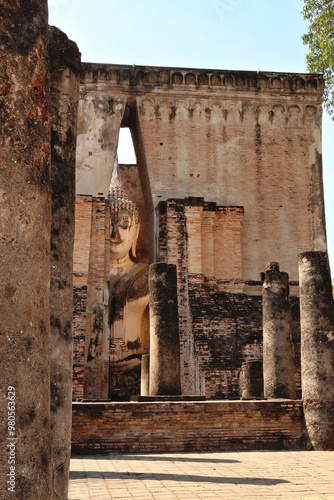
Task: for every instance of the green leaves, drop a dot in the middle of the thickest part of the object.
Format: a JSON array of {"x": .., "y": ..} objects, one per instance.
[{"x": 320, "y": 39}]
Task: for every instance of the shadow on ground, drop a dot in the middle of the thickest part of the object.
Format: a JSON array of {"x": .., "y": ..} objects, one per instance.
[
  {"x": 81, "y": 475},
  {"x": 164, "y": 458}
]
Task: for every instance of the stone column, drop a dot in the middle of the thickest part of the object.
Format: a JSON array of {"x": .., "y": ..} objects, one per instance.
[
  {"x": 252, "y": 379},
  {"x": 64, "y": 95},
  {"x": 317, "y": 348},
  {"x": 278, "y": 358},
  {"x": 145, "y": 375},
  {"x": 165, "y": 376},
  {"x": 25, "y": 205}
]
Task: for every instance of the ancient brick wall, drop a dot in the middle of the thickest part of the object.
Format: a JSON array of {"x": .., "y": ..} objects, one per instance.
[
  {"x": 241, "y": 151},
  {"x": 88, "y": 270},
  {"x": 198, "y": 237},
  {"x": 224, "y": 316},
  {"x": 173, "y": 250},
  {"x": 83, "y": 221},
  {"x": 99, "y": 119},
  {"x": 79, "y": 333},
  {"x": 227, "y": 330},
  {"x": 235, "y": 160},
  {"x": 201, "y": 426},
  {"x": 219, "y": 330},
  {"x": 82, "y": 243},
  {"x": 235, "y": 138}
]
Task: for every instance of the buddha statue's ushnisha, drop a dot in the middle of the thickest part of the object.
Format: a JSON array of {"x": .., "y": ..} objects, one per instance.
[{"x": 128, "y": 295}]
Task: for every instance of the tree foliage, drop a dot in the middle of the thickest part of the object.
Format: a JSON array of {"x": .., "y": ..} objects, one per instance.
[{"x": 320, "y": 39}]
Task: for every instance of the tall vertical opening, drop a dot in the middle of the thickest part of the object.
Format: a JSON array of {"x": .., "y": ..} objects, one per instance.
[
  {"x": 135, "y": 180},
  {"x": 125, "y": 149}
]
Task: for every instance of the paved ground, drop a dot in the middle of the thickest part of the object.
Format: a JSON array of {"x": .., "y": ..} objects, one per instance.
[{"x": 186, "y": 476}]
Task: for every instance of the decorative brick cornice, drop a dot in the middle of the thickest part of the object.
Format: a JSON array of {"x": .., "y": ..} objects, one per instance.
[{"x": 152, "y": 77}]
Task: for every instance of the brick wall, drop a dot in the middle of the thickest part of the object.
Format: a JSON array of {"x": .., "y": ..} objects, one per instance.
[
  {"x": 79, "y": 333},
  {"x": 219, "y": 330},
  {"x": 227, "y": 330},
  {"x": 250, "y": 139},
  {"x": 240, "y": 154},
  {"x": 82, "y": 238},
  {"x": 81, "y": 255},
  {"x": 235, "y": 158},
  {"x": 173, "y": 248},
  {"x": 200, "y": 426},
  {"x": 213, "y": 239},
  {"x": 222, "y": 324},
  {"x": 203, "y": 238}
]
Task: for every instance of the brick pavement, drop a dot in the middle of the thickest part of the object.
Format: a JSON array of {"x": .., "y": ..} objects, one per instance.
[{"x": 186, "y": 476}]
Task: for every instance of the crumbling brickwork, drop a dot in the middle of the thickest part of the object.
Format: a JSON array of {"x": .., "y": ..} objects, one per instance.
[
  {"x": 227, "y": 329},
  {"x": 79, "y": 333},
  {"x": 82, "y": 243}
]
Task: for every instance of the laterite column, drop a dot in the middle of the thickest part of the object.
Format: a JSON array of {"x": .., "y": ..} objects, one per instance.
[
  {"x": 278, "y": 358},
  {"x": 165, "y": 376},
  {"x": 252, "y": 379},
  {"x": 145, "y": 375},
  {"x": 64, "y": 95},
  {"x": 25, "y": 206},
  {"x": 317, "y": 348}
]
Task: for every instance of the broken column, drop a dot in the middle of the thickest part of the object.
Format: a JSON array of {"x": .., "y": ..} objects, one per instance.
[
  {"x": 64, "y": 95},
  {"x": 25, "y": 204},
  {"x": 145, "y": 375},
  {"x": 317, "y": 348},
  {"x": 278, "y": 359},
  {"x": 252, "y": 379},
  {"x": 165, "y": 376}
]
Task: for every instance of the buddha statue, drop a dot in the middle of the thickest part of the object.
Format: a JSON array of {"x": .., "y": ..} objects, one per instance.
[{"x": 128, "y": 296}]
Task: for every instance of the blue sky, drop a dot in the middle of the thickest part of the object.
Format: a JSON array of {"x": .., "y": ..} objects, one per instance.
[{"x": 223, "y": 34}]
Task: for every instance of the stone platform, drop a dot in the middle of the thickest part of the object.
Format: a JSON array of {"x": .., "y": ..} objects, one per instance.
[{"x": 187, "y": 426}]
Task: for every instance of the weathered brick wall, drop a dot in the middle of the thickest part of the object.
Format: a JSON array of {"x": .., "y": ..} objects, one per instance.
[
  {"x": 173, "y": 250},
  {"x": 256, "y": 157},
  {"x": 82, "y": 238},
  {"x": 81, "y": 254},
  {"x": 227, "y": 329},
  {"x": 99, "y": 119},
  {"x": 89, "y": 264},
  {"x": 225, "y": 325},
  {"x": 235, "y": 138},
  {"x": 96, "y": 369},
  {"x": 198, "y": 237},
  {"x": 213, "y": 239},
  {"x": 200, "y": 426},
  {"x": 219, "y": 330},
  {"x": 79, "y": 333},
  {"x": 247, "y": 147}
]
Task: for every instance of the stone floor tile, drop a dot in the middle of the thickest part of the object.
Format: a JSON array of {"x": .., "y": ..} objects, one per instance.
[{"x": 230, "y": 475}]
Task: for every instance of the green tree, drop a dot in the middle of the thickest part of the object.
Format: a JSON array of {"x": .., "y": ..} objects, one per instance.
[{"x": 320, "y": 39}]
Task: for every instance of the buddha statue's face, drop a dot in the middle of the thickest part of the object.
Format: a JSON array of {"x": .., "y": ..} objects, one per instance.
[{"x": 123, "y": 234}]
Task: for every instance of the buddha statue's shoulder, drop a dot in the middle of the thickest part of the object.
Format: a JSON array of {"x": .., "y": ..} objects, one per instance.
[{"x": 138, "y": 285}]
